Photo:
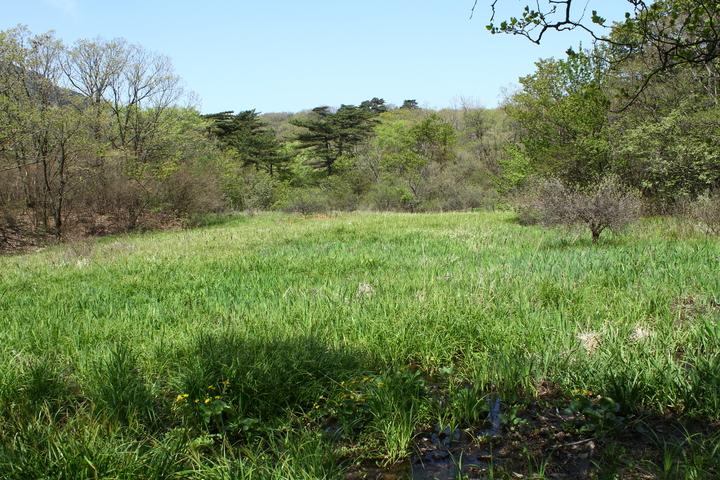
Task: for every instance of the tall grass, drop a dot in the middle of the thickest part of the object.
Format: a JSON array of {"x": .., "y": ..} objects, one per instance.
[{"x": 285, "y": 347}]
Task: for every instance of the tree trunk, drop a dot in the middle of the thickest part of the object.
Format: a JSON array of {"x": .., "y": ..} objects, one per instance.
[{"x": 61, "y": 193}]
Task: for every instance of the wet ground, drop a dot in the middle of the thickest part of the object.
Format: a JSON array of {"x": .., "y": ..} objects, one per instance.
[
  {"x": 446, "y": 454},
  {"x": 545, "y": 440}
]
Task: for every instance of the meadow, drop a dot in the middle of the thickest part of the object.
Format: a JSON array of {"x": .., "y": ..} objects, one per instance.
[{"x": 362, "y": 345}]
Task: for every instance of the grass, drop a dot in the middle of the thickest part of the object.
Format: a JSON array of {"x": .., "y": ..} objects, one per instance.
[{"x": 279, "y": 346}]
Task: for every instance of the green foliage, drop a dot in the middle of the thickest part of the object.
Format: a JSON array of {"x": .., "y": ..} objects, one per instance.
[
  {"x": 330, "y": 135},
  {"x": 675, "y": 157},
  {"x": 249, "y": 139},
  {"x": 596, "y": 414},
  {"x": 121, "y": 393},
  {"x": 414, "y": 163},
  {"x": 375, "y": 105},
  {"x": 562, "y": 116},
  {"x": 675, "y": 32},
  {"x": 516, "y": 169},
  {"x": 410, "y": 104}
]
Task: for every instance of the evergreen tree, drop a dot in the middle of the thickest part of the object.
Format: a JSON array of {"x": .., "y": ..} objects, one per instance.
[
  {"x": 252, "y": 140},
  {"x": 330, "y": 135},
  {"x": 375, "y": 105},
  {"x": 411, "y": 104}
]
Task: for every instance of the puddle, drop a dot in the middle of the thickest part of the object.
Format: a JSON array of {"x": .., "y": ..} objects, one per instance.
[
  {"x": 493, "y": 418},
  {"x": 449, "y": 465},
  {"x": 446, "y": 454}
]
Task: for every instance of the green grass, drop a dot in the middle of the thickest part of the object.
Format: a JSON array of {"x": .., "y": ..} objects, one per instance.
[{"x": 310, "y": 343}]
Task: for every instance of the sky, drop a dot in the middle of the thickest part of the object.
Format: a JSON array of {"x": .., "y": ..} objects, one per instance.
[{"x": 291, "y": 55}]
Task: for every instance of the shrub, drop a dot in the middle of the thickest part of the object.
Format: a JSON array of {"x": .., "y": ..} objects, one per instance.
[
  {"x": 455, "y": 187},
  {"x": 305, "y": 201},
  {"x": 706, "y": 211},
  {"x": 192, "y": 190},
  {"x": 606, "y": 205},
  {"x": 387, "y": 197},
  {"x": 253, "y": 189},
  {"x": 127, "y": 200}
]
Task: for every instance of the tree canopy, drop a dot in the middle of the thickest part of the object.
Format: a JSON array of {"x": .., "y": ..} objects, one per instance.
[{"x": 667, "y": 33}]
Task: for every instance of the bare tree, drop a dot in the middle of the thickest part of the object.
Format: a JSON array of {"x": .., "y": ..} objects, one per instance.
[
  {"x": 139, "y": 97},
  {"x": 607, "y": 205}
]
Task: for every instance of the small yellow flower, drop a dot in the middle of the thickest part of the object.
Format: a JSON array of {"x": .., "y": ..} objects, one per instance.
[
  {"x": 210, "y": 387},
  {"x": 208, "y": 400},
  {"x": 182, "y": 397}
]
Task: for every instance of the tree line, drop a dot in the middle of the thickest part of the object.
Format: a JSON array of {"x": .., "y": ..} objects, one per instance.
[{"x": 99, "y": 136}]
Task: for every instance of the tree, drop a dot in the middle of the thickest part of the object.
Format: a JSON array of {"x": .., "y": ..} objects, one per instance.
[
  {"x": 606, "y": 205},
  {"x": 434, "y": 139},
  {"x": 561, "y": 115},
  {"x": 676, "y": 156},
  {"x": 139, "y": 97},
  {"x": 671, "y": 33},
  {"x": 65, "y": 112},
  {"x": 410, "y": 104},
  {"x": 375, "y": 105},
  {"x": 329, "y": 135},
  {"x": 250, "y": 138},
  {"x": 409, "y": 147}
]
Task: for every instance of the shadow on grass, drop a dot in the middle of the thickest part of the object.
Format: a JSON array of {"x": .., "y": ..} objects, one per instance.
[
  {"x": 582, "y": 243},
  {"x": 263, "y": 378},
  {"x": 209, "y": 220}
]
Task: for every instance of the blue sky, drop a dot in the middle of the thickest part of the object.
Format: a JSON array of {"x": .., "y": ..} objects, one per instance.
[{"x": 285, "y": 55}]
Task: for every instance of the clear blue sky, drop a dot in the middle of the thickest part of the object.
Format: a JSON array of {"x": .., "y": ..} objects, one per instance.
[{"x": 289, "y": 55}]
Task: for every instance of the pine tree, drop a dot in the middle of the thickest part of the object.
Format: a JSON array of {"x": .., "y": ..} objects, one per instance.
[
  {"x": 252, "y": 140},
  {"x": 375, "y": 105},
  {"x": 330, "y": 135}
]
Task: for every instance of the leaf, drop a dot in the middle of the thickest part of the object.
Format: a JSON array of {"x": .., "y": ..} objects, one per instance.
[{"x": 597, "y": 19}]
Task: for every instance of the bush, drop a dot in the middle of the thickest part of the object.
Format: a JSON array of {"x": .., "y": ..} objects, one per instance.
[
  {"x": 458, "y": 186},
  {"x": 706, "y": 211},
  {"x": 252, "y": 189},
  {"x": 386, "y": 197},
  {"x": 191, "y": 191},
  {"x": 305, "y": 201},
  {"x": 606, "y": 205},
  {"x": 126, "y": 199}
]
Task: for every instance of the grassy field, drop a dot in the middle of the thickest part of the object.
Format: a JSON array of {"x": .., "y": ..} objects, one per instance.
[{"x": 357, "y": 345}]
